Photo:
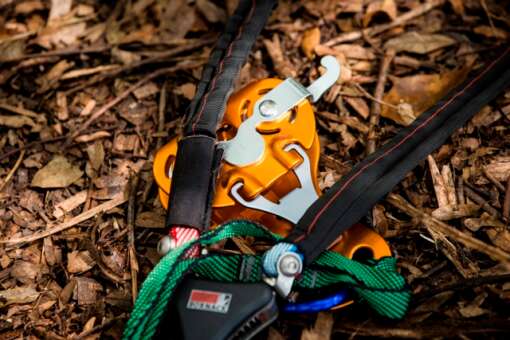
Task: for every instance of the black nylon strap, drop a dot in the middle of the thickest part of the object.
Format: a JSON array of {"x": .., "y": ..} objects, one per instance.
[
  {"x": 209, "y": 111},
  {"x": 191, "y": 197},
  {"x": 218, "y": 53},
  {"x": 349, "y": 199},
  {"x": 197, "y": 160}
]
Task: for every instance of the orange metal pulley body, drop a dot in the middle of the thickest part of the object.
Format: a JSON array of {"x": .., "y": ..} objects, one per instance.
[{"x": 273, "y": 174}]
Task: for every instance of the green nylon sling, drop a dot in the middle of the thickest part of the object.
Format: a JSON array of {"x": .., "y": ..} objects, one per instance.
[{"x": 377, "y": 283}]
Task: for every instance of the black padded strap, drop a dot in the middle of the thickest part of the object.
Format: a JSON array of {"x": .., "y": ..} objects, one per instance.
[
  {"x": 198, "y": 157},
  {"x": 192, "y": 193},
  {"x": 218, "y": 53},
  {"x": 370, "y": 180},
  {"x": 208, "y": 106}
]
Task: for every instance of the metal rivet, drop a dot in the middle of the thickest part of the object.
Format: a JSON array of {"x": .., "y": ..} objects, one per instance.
[
  {"x": 165, "y": 244},
  {"x": 290, "y": 264},
  {"x": 268, "y": 108}
]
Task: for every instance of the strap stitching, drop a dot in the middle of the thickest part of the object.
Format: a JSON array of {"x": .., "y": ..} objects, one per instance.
[
  {"x": 422, "y": 125},
  {"x": 213, "y": 83}
]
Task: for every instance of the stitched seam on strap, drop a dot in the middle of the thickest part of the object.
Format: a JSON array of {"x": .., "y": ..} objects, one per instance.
[
  {"x": 422, "y": 125},
  {"x": 220, "y": 69}
]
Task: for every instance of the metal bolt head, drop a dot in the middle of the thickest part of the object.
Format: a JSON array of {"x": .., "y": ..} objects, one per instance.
[
  {"x": 268, "y": 108},
  {"x": 290, "y": 264},
  {"x": 165, "y": 244}
]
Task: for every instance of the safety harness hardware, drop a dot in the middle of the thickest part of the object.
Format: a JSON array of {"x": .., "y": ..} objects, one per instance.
[
  {"x": 247, "y": 147},
  {"x": 253, "y": 161}
]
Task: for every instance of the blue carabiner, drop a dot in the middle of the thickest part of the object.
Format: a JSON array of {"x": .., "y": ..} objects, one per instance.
[{"x": 317, "y": 305}]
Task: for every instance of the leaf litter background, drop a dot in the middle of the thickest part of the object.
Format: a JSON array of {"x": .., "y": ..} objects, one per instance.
[{"x": 90, "y": 89}]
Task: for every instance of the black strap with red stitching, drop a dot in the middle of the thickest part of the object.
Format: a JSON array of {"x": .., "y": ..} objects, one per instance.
[
  {"x": 369, "y": 181},
  {"x": 198, "y": 157}
]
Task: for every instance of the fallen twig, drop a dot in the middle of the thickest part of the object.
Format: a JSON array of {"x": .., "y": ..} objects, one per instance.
[
  {"x": 71, "y": 223},
  {"x": 13, "y": 171},
  {"x": 462, "y": 284},
  {"x": 481, "y": 201},
  {"x": 491, "y": 178},
  {"x": 162, "y": 57},
  {"x": 423, "y": 330},
  {"x": 371, "y": 31},
  {"x": 459, "y": 236},
  {"x": 126, "y": 93},
  {"x": 506, "y": 202},
  {"x": 95, "y": 329},
  {"x": 133, "y": 262},
  {"x": 375, "y": 111}
]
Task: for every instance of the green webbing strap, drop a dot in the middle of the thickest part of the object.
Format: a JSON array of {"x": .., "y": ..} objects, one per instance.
[{"x": 379, "y": 284}]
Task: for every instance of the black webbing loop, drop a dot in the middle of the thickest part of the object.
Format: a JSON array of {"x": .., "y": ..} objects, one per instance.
[
  {"x": 370, "y": 180},
  {"x": 198, "y": 157}
]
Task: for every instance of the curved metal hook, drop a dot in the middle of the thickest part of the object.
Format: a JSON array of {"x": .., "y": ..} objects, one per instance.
[{"x": 324, "y": 82}]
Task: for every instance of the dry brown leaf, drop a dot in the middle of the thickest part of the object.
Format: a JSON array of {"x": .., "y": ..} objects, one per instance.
[
  {"x": 83, "y": 10},
  {"x": 60, "y": 36},
  {"x": 282, "y": 66},
  {"x": 27, "y": 7},
  {"x": 52, "y": 254},
  {"x": 491, "y": 32},
  {"x": 79, "y": 261},
  {"x": 30, "y": 200},
  {"x": 311, "y": 39},
  {"x": 25, "y": 271},
  {"x": 485, "y": 117},
  {"x": 472, "y": 144},
  {"x": 322, "y": 328},
  {"x": 358, "y": 104},
  {"x": 17, "y": 295},
  {"x": 499, "y": 168},
  {"x": 89, "y": 71},
  {"x": 473, "y": 309},
  {"x": 187, "y": 90},
  {"x": 177, "y": 19},
  {"x": 58, "y": 173},
  {"x": 59, "y": 8},
  {"x": 447, "y": 175},
  {"x": 146, "y": 90},
  {"x": 85, "y": 290},
  {"x": 92, "y": 137},
  {"x": 96, "y": 154},
  {"x": 211, "y": 12},
  {"x": 87, "y": 109},
  {"x": 125, "y": 57},
  {"x": 53, "y": 75},
  {"x": 439, "y": 185},
  {"x": 500, "y": 237},
  {"x": 420, "y": 43},
  {"x": 450, "y": 212},
  {"x": 348, "y": 140},
  {"x": 18, "y": 122},
  {"x": 380, "y": 220},
  {"x": 62, "y": 110},
  {"x": 421, "y": 91},
  {"x": 89, "y": 324},
  {"x": 326, "y": 9},
  {"x": 486, "y": 220},
  {"x": 150, "y": 219},
  {"x": 70, "y": 203},
  {"x": 458, "y": 6},
  {"x": 125, "y": 142},
  {"x": 353, "y": 51},
  {"x": 380, "y": 6}
]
